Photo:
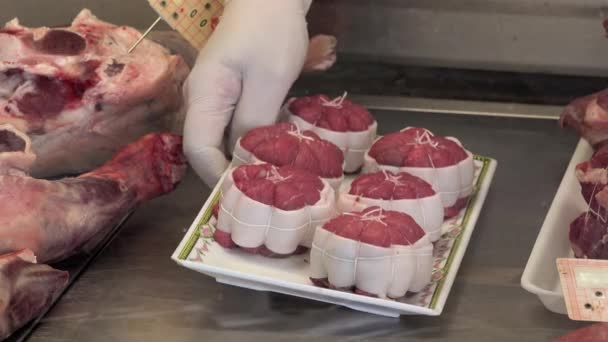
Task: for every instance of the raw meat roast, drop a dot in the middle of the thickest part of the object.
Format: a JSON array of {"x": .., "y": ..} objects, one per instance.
[
  {"x": 588, "y": 237},
  {"x": 350, "y": 126},
  {"x": 588, "y": 115},
  {"x": 272, "y": 210},
  {"x": 78, "y": 94},
  {"x": 26, "y": 289},
  {"x": 400, "y": 192},
  {"x": 56, "y": 219},
  {"x": 593, "y": 176},
  {"x": 378, "y": 252},
  {"x": 440, "y": 161},
  {"x": 589, "y": 232},
  {"x": 284, "y": 144}
]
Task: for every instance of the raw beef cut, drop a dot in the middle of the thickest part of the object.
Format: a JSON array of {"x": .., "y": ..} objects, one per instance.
[
  {"x": 401, "y": 192},
  {"x": 593, "y": 176},
  {"x": 80, "y": 96},
  {"x": 56, "y": 219},
  {"x": 26, "y": 289},
  {"x": 350, "y": 126},
  {"x": 338, "y": 115},
  {"x": 321, "y": 54},
  {"x": 588, "y": 237},
  {"x": 285, "y": 144},
  {"x": 440, "y": 161},
  {"x": 588, "y": 116},
  {"x": 272, "y": 210},
  {"x": 378, "y": 252}
]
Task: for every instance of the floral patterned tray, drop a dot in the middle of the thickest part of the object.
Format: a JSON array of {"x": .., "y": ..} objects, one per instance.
[{"x": 199, "y": 252}]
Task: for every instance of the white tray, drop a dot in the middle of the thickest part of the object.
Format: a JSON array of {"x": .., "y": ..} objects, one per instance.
[
  {"x": 540, "y": 276},
  {"x": 198, "y": 251}
]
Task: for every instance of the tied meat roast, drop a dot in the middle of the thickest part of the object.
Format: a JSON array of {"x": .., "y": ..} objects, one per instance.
[
  {"x": 401, "y": 192},
  {"x": 271, "y": 210},
  {"x": 377, "y": 252}
]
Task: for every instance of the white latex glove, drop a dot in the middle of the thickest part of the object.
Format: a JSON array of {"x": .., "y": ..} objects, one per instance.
[{"x": 242, "y": 74}]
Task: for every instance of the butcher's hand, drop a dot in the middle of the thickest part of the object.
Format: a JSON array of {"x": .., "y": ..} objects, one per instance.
[{"x": 241, "y": 77}]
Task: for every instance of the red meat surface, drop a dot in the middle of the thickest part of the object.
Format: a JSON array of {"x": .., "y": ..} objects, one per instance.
[
  {"x": 57, "y": 219},
  {"x": 416, "y": 147},
  {"x": 283, "y": 144},
  {"x": 286, "y": 188},
  {"x": 390, "y": 186},
  {"x": 375, "y": 226},
  {"x": 593, "y": 177},
  {"x": 339, "y": 115},
  {"x": 588, "y": 116},
  {"x": 588, "y": 237}
]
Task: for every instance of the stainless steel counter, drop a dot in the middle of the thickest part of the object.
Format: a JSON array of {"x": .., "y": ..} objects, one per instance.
[{"x": 134, "y": 292}]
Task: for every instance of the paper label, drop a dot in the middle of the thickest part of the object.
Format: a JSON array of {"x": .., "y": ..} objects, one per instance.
[
  {"x": 195, "y": 20},
  {"x": 585, "y": 286}
]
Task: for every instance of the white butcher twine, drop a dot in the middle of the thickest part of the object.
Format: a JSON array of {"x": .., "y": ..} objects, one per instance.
[
  {"x": 385, "y": 272},
  {"x": 451, "y": 182},
  {"x": 353, "y": 144},
  {"x": 253, "y": 224},
  {"x": 426, "y": 211},
  {"x": 241, "y": 156}
]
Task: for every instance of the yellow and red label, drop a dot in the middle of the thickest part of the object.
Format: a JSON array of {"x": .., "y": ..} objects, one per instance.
[{"x": 195, "y": 20}]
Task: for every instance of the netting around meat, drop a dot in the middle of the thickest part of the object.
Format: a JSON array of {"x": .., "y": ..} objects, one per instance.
[
  {"x": 242, "y": 156},
  {"x": 427, "y": 211},
  {"x": 252, "y": 224},
  {"x": 344, "y": 263},
  {"x": 454, "y": 183},
  {"x": 353, "y": 144}
]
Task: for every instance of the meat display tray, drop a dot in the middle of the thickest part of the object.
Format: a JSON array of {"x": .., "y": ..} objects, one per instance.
[
  {"x": 74, "y": 266},
  {"x": 540, "y": 276},
  {"x": 198, "y": 251}
]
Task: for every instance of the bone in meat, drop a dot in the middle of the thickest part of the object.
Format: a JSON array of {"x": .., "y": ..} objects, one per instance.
[
  {"x": 56, "y": 219},
  {"x": 80, "y": 96},
  {"x": 26, "y": 289}
]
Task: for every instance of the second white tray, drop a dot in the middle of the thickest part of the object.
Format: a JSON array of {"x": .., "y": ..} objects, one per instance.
[{"x": 540, "y": 276}]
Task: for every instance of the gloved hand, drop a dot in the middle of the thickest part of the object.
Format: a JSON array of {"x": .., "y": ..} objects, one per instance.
[{"x": 241, "y": 77}]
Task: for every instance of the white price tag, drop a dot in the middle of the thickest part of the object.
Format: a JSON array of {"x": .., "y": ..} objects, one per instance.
[{"x": 585, "y": 288}]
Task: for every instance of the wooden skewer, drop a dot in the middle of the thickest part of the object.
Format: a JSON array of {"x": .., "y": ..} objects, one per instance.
[{"x": 145, "y": 34}]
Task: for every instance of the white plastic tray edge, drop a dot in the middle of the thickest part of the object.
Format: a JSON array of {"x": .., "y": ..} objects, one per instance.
[{"x": 552, "y": 241}]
